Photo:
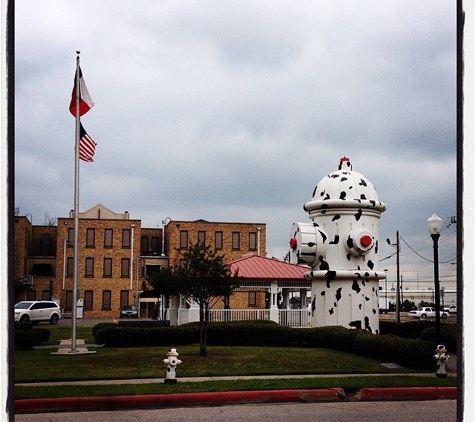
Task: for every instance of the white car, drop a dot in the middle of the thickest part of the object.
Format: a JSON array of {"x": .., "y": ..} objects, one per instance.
[
  {"x": 35, "y": 311},
  {"x": 427, "y": 311},
  {"x": 452, "y": 309}
]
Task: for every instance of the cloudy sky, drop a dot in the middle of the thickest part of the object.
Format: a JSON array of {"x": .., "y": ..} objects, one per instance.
[{"x": 234, "y": 110}]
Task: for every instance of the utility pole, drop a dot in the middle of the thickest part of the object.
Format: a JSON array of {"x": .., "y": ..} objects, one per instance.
[{"x": 398, "y": 299}]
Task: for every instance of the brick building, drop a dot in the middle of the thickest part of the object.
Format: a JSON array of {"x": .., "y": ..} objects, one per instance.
[{"x": 115, "y": 256}]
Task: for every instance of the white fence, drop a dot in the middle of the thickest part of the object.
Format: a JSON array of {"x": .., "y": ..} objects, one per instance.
[
  {"x": 221, "y": 315},
  {"x": 287, "y": 317},
  {"x": 294, "y": 317}
]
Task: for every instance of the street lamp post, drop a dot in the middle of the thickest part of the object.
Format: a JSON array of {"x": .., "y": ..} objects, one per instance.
[
  {"x": 164, "y": 224},
  {"x": 435, "y": 227},
  {"x": 386, "y": 290}
]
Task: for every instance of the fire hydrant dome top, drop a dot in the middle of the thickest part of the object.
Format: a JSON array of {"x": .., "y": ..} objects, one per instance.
[{"x": 344, "y": 188}]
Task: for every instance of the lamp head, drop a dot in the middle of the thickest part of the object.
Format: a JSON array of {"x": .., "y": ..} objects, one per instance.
[{"x": 435, "y": 224}]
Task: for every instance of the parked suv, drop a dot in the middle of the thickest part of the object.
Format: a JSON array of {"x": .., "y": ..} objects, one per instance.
[{"x": 36, "y": 311}]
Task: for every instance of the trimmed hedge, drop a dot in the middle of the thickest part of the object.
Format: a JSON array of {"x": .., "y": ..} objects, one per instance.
[
  {"x": 114, "y": 336},
  {"x": 448, "y": 336},
  {"x": 27, "y": 339},
  {"x": 424, "y": 330},
  {"x": 414, "y": 353}
]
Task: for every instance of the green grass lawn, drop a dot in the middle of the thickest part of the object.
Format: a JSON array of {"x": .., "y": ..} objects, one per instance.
[
  {"x": 41, "y": 365},
  {"x": 349, "y": 385},
  {"x": 146, "y": 362}
]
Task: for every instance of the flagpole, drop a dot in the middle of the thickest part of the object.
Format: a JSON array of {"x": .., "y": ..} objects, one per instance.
[{"x": 76, "y": 211}]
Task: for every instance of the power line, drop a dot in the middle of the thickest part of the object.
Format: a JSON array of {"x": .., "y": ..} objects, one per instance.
[{"x": 423, "y": 257}]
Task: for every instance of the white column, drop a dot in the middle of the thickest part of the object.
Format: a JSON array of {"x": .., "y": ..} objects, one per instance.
[
  {"x": 194, "y": 312},
  {"x": 182, "y": 311},
  {"x": 173, "y": 311},
  {"x": 274, "y": 310}
]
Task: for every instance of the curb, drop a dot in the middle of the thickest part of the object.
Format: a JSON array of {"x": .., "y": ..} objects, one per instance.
[
  {"x": 406, "y": 393},
  {"x": 75, "y": 404},
  {"x": 78, "y": 404}
]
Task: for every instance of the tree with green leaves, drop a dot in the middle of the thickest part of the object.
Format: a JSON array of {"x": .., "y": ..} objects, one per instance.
[
  {"x": 20, "y": 288},
  {"x": 165, "y": 283},
  {"x": 205, "y": 278}
]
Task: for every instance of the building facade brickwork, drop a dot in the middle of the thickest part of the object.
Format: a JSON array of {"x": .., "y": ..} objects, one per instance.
[{"x": 115, "y": 256}]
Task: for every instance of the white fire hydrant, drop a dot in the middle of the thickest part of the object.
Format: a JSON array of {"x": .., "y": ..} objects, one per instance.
[
  {"x": 172, "y": 361},
  {"x": 441, "y": 357}
]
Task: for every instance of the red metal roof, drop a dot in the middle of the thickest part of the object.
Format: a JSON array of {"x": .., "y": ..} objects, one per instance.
[{"x": 261, "y": 268}]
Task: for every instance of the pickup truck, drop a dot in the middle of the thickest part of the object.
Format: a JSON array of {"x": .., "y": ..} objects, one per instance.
[{"x": 426, "y": 311}]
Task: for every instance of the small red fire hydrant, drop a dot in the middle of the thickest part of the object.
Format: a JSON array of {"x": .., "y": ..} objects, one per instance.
[
  {"x": 441, "y": 357},
  {"x": 172, "y": 361}
]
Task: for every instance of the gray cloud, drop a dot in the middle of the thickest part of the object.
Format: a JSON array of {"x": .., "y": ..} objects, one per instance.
[{"x": 235, "y": 110}]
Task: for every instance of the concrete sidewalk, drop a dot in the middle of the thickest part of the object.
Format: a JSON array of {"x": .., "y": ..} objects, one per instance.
[{"x": 224, "y": 378}]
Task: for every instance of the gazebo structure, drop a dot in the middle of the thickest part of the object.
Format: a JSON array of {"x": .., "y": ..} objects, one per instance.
[{"x": 279, "y": 279}]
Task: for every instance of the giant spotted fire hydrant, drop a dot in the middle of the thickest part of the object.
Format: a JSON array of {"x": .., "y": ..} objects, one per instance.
[
  {"x": 172, "y": 361},
  {"x": 340, "y": 244},
  {"x": 441, "y": 357}
]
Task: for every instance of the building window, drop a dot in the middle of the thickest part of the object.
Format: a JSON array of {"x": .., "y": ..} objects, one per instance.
[
  {"x": 252, "y": 241},
  {"x": 70, "y": 267},
  {"x": 31, "y": 295},
  {"x": 252, "y": 299},
  {"x": 144, "y": 245},
  {"x": 125, "y": 267},
  {"x": 70, "y": 237},
  {"x": 155, "y": 245},
  {"x": 106, "y": 300},
  {"x": 202, "y": 237},
  {"x": 218, "y": 240},
  {"x": 184, "y": 239},
  {"x": 69, "y": 300},
  {"x": 42, "y": 270},
  {"x": 107, "y": 272},
  {"x": 90, "y": 238},
  {"x": 88, "y": 299},
  {"x": 89, "y": 267},
  {"x": 108, "y": 238},
  {"x": 126, "y": 238},
  {"x": 46, "y": 295},
  {"x": 45, "y": 245},
  {"x": 236, "y": 240},
  {"x": 124, "y": 297}
]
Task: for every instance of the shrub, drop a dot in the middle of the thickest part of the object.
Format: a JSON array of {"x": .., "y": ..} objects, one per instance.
[
  {"x": 410, "y": 329},
  {"x": 43, "y": 333},
  {"x": 249, "y": 333},
  {"x": 115, "y": 336},
  {"x": 100, "y": 326},
  {"x": 409, "y": 352},
  {"x": 344, "y": 339},
  {"x": 319, "y": 337},
  {"x": 368, "y": 344},
  {"x": 448, "y": 336},
  {"x": 27, "y": 339}
]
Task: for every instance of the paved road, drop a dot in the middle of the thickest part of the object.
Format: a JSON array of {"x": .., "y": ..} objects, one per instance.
[{"x": 413, "y": 411}]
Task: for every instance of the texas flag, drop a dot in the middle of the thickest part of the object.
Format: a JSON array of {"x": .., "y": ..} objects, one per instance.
[{"x": 85, "y": 100}]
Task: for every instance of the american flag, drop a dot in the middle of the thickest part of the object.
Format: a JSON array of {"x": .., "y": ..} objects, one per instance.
[{"x": 87, "y": 147}]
